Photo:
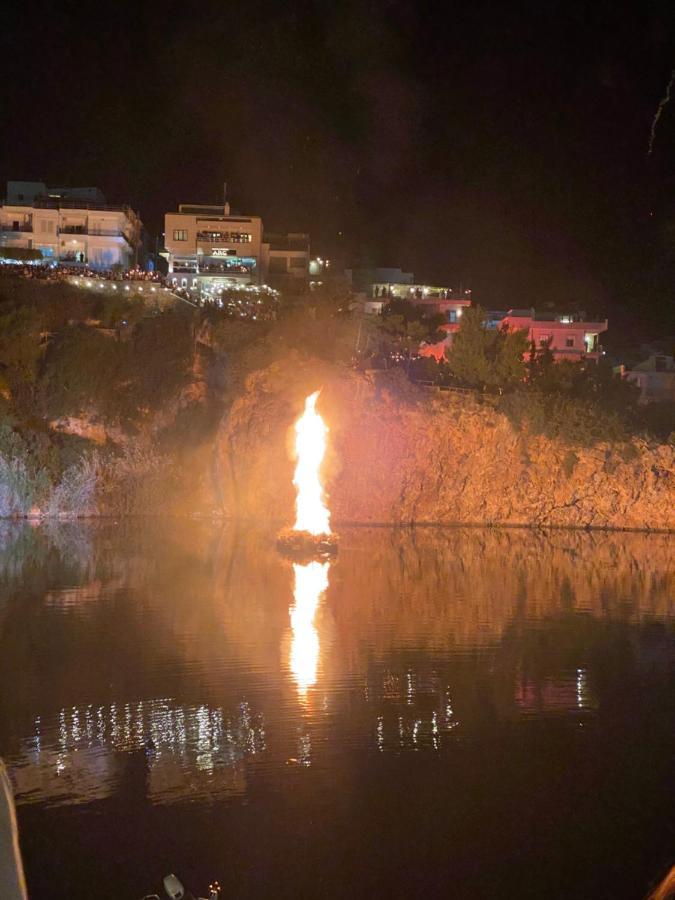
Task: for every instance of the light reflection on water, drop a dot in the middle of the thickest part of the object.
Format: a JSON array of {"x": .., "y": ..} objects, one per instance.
[
  {"x": 79, "y": 755},
  {"x": 311, "y": 580},
  {"x": 193, "y": 665}
]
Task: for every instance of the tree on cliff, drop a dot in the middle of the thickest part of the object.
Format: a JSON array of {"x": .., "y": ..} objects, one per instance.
[
  {"x": 485, "y": 357},
  {"x": 403, "y": 327}
]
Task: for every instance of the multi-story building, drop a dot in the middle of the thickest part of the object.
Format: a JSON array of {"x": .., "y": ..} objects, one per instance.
[
  {"x": 210, "y": 247},
  {"x": 73, "y": 226},
  {"x": 372, "y": 281},
  {"x": 374, "y": 288},
  {"x": 567, "y": 335},
  {"x": 207, "y": 244}
]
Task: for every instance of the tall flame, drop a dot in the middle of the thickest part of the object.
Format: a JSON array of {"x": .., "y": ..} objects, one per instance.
[
  {"x": 311, "y": 580},
  {"x": 310, "y": 446}
]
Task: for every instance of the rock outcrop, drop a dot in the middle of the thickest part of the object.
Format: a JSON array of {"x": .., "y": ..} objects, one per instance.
[{"x": 401, "y": 455}]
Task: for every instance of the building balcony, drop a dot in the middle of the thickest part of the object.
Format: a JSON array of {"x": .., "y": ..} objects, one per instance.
[
  {"x": 111, "y": 232},
  {"x": 224, "y": 269},
  {"x": 73, "y": 257},
  {"x": 204, "y": 237},
  {"x": 25, "y": 227},
  {"x": 96, "y": 232}
]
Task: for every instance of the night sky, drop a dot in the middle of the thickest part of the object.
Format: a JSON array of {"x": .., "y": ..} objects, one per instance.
[{"x": 500, "y": 145}]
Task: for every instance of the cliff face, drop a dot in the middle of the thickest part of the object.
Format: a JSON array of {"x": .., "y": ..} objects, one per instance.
[{"x": 400, "y": 455}]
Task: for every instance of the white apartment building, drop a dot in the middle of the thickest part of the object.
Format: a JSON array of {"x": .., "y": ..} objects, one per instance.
[
  {"x": 71, "y": 226},
  {"x": 208, "y": 246}
]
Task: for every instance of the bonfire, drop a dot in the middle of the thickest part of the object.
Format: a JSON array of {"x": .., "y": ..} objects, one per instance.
[{"x": 310, "y": 537}]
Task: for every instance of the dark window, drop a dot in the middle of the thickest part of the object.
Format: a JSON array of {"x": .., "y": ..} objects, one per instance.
[{"x": 569, "y": 342}]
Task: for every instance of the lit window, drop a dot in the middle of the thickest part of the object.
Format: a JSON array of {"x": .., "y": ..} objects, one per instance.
[{"x": 179, "y": 234}]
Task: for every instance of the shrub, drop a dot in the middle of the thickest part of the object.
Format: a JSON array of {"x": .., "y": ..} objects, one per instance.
[
  {"x": 577, "y": 421},
  {"x": 162, "y": 354},
  {"x": 658, "y": 419},
  {"x": 20, "y": 489},
  {"x": 136, "y": 481},
  {"x": 75, "y": 494},
  {"x": 84, "y": 370},
  {"x": 486, "y": 357}
]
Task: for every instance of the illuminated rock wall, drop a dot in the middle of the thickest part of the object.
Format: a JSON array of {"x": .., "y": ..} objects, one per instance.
[{"x": 400, "y": 455}]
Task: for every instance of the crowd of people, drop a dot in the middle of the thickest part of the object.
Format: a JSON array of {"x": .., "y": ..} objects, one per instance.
[
  {"x": 412, "y": 292},
  {"x": 55, "y": 272},
  {"x": 240, "y": 301}
]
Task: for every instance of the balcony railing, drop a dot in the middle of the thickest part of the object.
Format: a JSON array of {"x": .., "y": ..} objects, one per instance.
[
  {"x": 108, "y": 232},
  {"x": 222, "y": 269},
  {"x": 10, "y": 226}
]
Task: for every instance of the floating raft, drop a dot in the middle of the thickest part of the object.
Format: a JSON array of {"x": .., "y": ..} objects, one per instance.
[{"x": 303, "y": 547}]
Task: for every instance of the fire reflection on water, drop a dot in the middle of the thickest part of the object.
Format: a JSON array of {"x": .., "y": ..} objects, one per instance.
[{"x": 311, "y": 580}]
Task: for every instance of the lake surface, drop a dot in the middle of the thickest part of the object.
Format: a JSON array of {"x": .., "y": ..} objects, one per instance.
[{"x": 457, "y": 713}]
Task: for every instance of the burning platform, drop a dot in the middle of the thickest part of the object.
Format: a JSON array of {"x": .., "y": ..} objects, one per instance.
[{"x": 303, "y": 547}]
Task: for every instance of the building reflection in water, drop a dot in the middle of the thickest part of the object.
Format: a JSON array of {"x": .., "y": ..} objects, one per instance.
[
  {"x": 311, "y": 580},
  {"x": 82, "y": 754},
  {"x": 407, "y": 717}
]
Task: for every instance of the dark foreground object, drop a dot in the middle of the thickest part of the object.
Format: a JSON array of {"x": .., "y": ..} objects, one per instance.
[{"x": 303, "y": 547}]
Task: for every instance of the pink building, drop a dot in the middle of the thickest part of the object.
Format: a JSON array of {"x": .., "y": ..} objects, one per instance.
[{"x": 569, "y": 336}]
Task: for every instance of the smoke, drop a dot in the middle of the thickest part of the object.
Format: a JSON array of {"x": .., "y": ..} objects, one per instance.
[{"x": 662, "y": 105}]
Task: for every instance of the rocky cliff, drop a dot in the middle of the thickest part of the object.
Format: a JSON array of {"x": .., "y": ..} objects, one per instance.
[{"x": 399, "y": 454}]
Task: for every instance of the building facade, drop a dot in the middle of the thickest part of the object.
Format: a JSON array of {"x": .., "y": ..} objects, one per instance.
[
  {"x": 655, "y": 377},
  {"x": 207, "y": 244},
  {"x": 70, "y": 226},
  {"x": 209, "y": 247},
  {"x": 286, "y": 260},
  {"x": 432, "y": 300},
  {"x": 366, "y": 280},
  {"x": 568, "y": 336}
]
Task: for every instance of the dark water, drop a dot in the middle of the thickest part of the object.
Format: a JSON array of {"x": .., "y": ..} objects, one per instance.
[{"x": 462, "y": 713}]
